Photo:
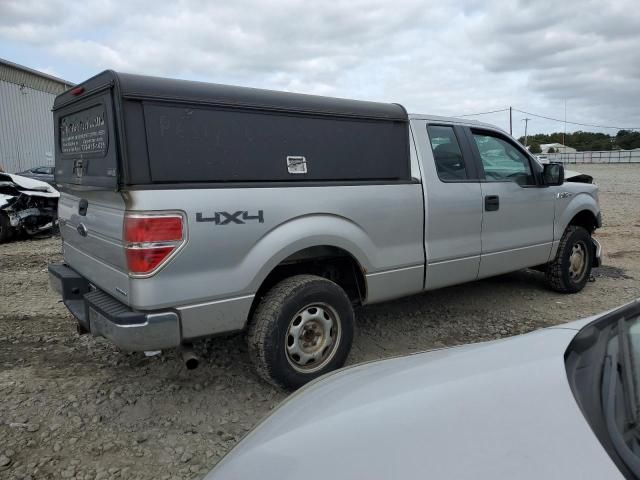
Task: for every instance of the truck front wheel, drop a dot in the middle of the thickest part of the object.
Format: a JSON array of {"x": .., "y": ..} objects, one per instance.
[
  {"x": 301, "y": 329},
  {"x": 571, "y": 269}
]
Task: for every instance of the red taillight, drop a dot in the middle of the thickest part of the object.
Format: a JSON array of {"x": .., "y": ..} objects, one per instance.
[
  {"x": 145, "y": 260},
  {"x": 77, "y": 91},
  {"x": 144, "y": 229},
  {"x": 150, "y": 240}
]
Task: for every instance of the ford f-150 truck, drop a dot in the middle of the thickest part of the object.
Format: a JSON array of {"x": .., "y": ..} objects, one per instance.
[{"x": 190, "y": 210}]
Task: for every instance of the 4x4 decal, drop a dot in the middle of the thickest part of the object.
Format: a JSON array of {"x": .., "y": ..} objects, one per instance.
[{"x": 225, "y": 218}]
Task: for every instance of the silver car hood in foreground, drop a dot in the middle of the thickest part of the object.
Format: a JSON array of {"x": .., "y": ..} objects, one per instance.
[{"x": 496, "y": 410}]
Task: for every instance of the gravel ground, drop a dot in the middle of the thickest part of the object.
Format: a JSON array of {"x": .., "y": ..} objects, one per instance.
[{"x": 75, "y": 407}]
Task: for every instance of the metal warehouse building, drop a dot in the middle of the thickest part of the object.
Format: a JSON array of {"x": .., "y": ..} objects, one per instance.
[{"x": 26, "y": 122}]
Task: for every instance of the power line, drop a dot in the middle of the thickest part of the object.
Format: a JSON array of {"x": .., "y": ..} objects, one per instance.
[
  {"x": 576, "y": 123},
  {"x": 483, "y": 113},
  {"x": 565, "y": 121}
]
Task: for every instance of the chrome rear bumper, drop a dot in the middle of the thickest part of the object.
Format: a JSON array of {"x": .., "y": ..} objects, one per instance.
[{"x": 104, "y": 316}]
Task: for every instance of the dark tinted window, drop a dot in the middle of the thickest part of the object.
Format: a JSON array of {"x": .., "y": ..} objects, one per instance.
[
  {"x": 211, "y": 144},
  {"x": 446, "y": 153},
  {"x": 502, "y": 161}
]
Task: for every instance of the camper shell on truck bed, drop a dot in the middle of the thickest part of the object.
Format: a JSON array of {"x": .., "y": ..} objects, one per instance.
[{"x": 118, "y": 131}]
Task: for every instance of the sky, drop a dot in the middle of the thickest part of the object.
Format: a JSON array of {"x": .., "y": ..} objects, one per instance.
[{"x": 452, "y": 58}]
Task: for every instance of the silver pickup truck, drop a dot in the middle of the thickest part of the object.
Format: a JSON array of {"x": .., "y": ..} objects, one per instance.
[{"x": 190, "y": 210}]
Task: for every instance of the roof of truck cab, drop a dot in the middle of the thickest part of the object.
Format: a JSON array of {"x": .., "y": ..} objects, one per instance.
[
  {"x": 144, "y": 87},
  {"x": 456, "y": 120}
]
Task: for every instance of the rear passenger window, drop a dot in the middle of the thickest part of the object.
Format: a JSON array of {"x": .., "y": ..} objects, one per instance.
[{"x": 447, "y": 154}]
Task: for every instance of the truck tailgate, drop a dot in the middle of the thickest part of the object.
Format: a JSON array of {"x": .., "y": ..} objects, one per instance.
[{"x": 91, "y": 225}]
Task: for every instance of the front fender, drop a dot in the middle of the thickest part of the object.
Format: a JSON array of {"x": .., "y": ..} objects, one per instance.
[{"x": 579, "y": 202}]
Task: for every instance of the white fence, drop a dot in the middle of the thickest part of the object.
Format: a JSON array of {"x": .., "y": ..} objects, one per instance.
[{"x": 612, "y": 156}]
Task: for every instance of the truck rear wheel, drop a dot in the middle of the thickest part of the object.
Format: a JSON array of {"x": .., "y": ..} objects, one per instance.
[
  {"x": 301, "y": 329},
  {"x": 570, "y": 270}
]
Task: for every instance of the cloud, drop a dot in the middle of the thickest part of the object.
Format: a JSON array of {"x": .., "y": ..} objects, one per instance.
[
  {"x": 435, "y": 57},
  {"x": 582, "y": 52}
]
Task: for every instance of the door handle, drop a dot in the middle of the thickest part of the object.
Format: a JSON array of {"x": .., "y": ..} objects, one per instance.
[{"x": 491, "y": 203}]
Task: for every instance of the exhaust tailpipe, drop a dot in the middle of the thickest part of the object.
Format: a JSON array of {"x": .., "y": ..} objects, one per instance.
[{"x": 190, "y": 359}]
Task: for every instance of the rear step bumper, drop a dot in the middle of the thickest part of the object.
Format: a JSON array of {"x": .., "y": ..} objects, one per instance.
[{"x": 104, "y": 316}]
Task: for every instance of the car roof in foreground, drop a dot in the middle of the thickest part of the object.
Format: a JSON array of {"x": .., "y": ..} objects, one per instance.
[
  {"x": 501, "y": 409},
  {"x": 583, "y": 322}
]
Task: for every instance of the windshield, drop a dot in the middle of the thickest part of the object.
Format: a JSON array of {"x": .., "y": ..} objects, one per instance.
[
  {"x": 634, "y": 341},
  {"x": 620, "y": 381},
  {"x": 603, "y": 366}
]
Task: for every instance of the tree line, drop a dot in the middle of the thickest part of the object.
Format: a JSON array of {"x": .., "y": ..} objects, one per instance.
[{"x": 586, "y": 141}]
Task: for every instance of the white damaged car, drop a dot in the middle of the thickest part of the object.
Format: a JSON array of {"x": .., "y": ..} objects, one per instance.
[
  {"x": 26, "y": 206},
  {"x": 555, "y": 403}
]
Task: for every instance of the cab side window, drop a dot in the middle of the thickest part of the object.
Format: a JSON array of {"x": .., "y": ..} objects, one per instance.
[
  {"x": 447, "y": 154},
  {"x": 502, "y": 161}
]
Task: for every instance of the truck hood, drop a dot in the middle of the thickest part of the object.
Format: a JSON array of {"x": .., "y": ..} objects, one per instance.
[
  {"x": 500, "y": 409},
  {"x": 577, "y": 177}
]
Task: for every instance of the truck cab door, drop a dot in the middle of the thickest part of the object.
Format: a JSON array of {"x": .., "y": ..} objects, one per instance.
[
  {"x": 518, "y": 211},
  {"x": 453, "y": 204}
]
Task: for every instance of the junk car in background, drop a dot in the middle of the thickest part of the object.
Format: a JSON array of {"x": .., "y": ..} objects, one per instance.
[{"x": 26, "y": 206}]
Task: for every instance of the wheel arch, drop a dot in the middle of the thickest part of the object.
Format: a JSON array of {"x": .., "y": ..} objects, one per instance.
[
  {"x": 328, "y": 261},
  {"x": 586, "y": 219},
  {"x": 306, "y": 237}
]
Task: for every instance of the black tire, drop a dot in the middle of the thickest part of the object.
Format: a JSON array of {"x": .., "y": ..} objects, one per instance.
[
  {"x": 326, "y": 330},
  {"x": 6, "y": 230},
  {"x": 561, "y": 272}
]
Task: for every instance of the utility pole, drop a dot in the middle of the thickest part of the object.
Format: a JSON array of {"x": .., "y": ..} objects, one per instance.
[
  {"x": 510, "y": 120},
  {"x": 526, "y": 123},
  {"x": 565, "y": 122}
]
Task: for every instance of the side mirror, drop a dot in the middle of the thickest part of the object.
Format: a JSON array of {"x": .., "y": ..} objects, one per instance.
[{"x": 553, "y": 174}]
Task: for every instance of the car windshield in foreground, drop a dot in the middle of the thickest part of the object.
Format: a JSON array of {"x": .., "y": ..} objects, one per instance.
[
  {"x": 603, "y": 367},
  {"x": 620, "y": 386}
]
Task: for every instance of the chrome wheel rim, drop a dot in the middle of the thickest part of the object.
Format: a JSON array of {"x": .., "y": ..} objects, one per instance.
[
  {"x": 578, "y": 262},
  {"x": 313, "y": 337}
]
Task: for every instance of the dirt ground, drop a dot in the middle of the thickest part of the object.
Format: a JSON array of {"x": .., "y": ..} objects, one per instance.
[{"x": 74, "y": 407}]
